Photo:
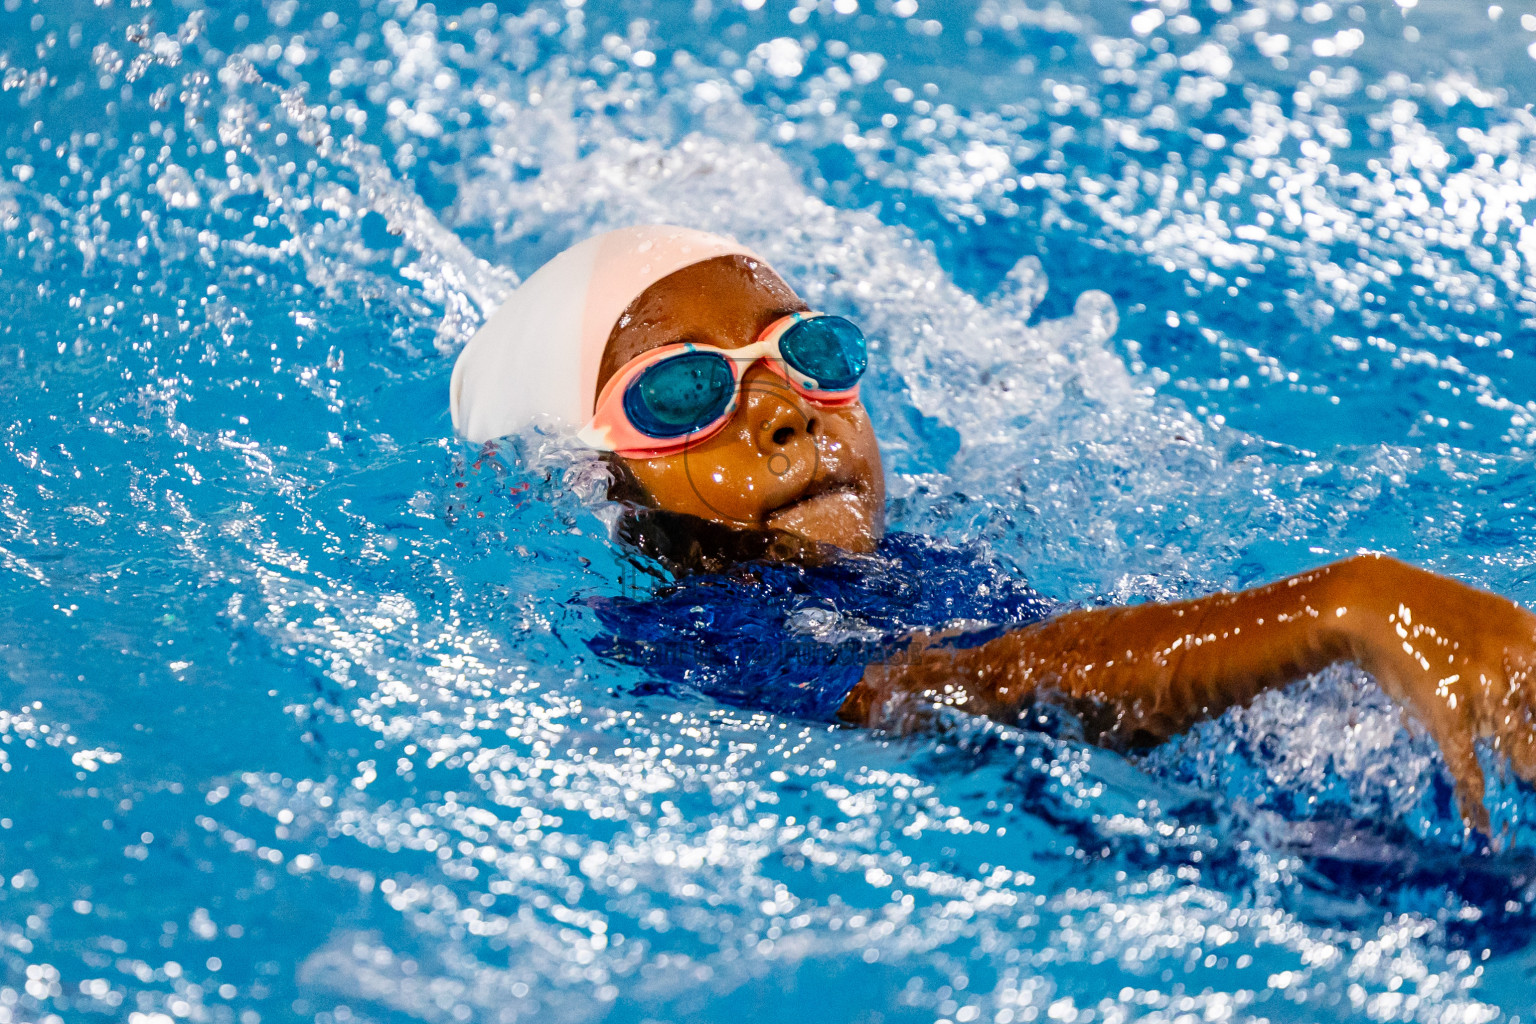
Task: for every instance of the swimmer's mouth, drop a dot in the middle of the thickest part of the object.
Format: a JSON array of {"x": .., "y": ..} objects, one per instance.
[
  {"x": 827, "y": 492},
  {"x": 836, "y": 514}
]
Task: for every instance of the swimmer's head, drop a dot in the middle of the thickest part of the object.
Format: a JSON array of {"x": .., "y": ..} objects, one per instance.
[{"x": 793, "y": 466}]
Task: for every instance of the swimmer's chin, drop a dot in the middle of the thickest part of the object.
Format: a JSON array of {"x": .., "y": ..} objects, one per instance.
[{"x": 806, "y": 535}]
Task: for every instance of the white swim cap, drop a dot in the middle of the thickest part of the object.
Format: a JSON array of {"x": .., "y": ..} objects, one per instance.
[{"x": 537, "y": 356}]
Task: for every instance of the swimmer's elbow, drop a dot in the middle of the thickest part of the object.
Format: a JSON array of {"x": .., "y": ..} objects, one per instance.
[
  {"x": 1369, "y": 565},
  {"x": 1363, "y": 579}
]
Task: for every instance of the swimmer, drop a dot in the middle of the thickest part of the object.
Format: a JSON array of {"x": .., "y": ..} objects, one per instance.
[{"x": 729, "y": 412}]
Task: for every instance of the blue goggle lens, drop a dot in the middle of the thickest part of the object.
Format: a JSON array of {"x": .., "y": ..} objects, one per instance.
[
  {"x": 828, "y": 349},
  {"x": 680, "y": 395}
]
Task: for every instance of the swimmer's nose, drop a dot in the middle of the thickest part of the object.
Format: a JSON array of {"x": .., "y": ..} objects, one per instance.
[
  {"x": 783, "y": 423},
  {"x": 780, "y": 429}
]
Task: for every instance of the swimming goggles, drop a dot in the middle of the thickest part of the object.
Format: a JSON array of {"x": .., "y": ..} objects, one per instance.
[{"x": 677, "y": 396}]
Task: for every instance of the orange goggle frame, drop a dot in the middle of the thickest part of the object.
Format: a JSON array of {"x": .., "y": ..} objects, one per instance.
[{"x": 612, "y": 427}]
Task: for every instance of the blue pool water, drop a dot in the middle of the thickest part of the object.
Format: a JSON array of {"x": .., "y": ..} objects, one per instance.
[{"x": 301, "y": 715}]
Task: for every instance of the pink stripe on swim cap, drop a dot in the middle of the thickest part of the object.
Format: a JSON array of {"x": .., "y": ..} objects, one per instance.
[{"x": 537, "y": 356}]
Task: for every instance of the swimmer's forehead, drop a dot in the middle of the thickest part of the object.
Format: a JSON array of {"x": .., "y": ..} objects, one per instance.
[{"x": 725, "y": 301}]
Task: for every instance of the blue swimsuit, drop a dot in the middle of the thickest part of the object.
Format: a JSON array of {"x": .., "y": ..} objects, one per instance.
[{"x": 794, "y": 640}]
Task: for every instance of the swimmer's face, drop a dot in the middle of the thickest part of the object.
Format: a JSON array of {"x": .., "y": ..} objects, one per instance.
[{"x": 782, "y": 464}]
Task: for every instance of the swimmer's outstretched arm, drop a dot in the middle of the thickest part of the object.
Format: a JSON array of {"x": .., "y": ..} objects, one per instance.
[{"x": 1461, "y": 660}]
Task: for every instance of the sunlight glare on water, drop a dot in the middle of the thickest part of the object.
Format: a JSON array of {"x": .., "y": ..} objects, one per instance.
[{"x": 302, "y": 721}]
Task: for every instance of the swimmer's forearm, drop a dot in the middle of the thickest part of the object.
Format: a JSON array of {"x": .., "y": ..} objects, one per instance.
[
  {"x": 1153, "y": 670},
  {"x": 1150, "y": 670},
  {"x": 1461, "y": 660}
]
